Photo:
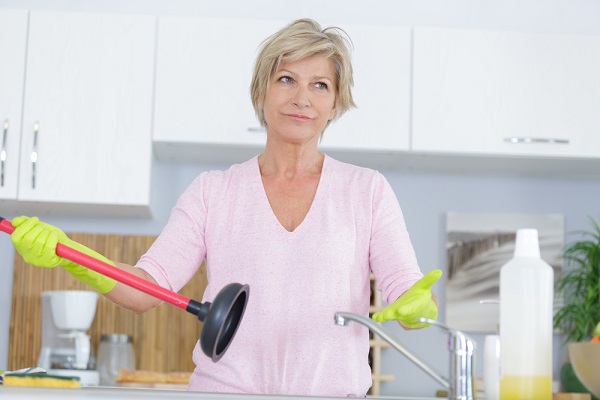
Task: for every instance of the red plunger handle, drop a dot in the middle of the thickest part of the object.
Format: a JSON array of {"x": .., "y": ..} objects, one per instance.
[{"x": 113, "y": 272}]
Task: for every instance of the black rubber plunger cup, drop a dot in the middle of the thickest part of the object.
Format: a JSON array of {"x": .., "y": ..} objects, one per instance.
[{"x": 221, "y": 319}]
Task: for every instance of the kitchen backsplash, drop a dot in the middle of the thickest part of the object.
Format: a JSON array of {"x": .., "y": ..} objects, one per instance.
[{"x": 163, "y": 337}]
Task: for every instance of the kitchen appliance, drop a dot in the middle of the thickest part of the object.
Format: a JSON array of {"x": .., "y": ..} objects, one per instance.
[
  {"x": 66, "y": 317},
  {"x": 221, "y": 318}
]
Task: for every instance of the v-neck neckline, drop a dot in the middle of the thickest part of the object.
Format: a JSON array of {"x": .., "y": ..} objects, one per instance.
[{"x": 316, "y": 198}]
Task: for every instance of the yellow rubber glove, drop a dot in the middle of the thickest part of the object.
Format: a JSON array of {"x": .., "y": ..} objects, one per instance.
[
  {"x": 415, "y": 303},
  {"x": 36, "y": 242}
]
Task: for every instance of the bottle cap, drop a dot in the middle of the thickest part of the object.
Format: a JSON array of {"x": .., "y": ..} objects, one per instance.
[{"x": 527, "y": 244}]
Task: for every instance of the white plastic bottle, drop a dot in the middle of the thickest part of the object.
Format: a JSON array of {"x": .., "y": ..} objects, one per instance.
[{"x": 526, "y": 303}]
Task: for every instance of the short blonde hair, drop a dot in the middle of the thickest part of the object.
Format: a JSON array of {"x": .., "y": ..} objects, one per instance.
[{"x": 300, "y": 39}]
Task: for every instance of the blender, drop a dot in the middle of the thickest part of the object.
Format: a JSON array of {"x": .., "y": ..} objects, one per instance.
[{"x": 66, "y": 317}]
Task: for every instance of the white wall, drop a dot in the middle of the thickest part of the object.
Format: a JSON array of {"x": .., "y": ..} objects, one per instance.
[{"x": 425, "y": 197}]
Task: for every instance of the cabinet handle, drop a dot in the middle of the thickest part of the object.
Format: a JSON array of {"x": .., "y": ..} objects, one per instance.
[
  {"x": 3, "y": 152},
  {"x": 256, "y": 129},
  {"x": 528, "y": 140},
  {"x": 34, "y": 152}
]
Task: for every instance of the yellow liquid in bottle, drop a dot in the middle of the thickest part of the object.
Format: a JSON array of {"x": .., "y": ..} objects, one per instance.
[{"x": 526, "y": 388}]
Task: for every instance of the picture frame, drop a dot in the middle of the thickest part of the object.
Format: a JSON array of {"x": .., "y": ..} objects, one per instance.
[{"x": 477, "y": 246}]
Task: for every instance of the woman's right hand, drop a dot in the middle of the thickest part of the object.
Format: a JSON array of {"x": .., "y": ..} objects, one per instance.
[{"x": 36, "y": 242}]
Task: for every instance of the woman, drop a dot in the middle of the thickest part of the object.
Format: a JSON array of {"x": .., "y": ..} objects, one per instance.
[{"x": 302, "y": 229}]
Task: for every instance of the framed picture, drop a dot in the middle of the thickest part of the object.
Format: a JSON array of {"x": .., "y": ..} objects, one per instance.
[{"x": 478, "y": 245}]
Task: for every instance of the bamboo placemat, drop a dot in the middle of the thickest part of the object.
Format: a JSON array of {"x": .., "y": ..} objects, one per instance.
[{"x": 163, "y": 338}]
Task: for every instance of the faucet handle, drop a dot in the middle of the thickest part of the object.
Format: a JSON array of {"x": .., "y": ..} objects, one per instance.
[{"x": 489, "y": 301}]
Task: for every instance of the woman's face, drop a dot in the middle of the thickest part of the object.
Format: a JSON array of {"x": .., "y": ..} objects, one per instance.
[{"x": 300, "y": 99}]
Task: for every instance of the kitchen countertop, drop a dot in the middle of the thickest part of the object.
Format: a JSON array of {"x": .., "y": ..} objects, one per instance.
[{"x": 96, "y": 393}]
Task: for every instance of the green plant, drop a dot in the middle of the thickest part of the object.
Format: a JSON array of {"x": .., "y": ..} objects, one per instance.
[{"x": 580, "y": 284}]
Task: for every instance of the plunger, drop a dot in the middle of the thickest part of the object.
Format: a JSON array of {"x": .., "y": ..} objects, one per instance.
[{"x": 221, "y": 319}]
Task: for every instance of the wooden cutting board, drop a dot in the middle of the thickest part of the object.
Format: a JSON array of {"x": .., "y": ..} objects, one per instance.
[
  {"x": 571, "y": 396},
  {"x": 153, "y": 385}
]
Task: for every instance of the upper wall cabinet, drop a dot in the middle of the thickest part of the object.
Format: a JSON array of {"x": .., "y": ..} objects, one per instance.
[
  {"x": 381, "y": 63},
  {"x": 503, "y": 93},
  {"x": 13, "y": 44},
  {"x": 86, "y": 135},
  {"x": 204, "y": 68},
  {"x": 203, "y": 109}
]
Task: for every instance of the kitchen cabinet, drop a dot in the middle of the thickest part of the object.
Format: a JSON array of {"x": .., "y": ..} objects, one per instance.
[
  {"x": 86, "y": 133},
  {"x": 381, "y": 60},
  {"x": 13, "y": 43},
  {"x": 203, "y": 109},
  {"x": 506, "y": 94}
]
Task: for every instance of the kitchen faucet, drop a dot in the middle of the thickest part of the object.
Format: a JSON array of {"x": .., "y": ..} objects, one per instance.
[{"x": 462, "y": 348}]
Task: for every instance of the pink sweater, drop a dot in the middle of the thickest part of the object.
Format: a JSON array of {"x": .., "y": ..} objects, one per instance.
[{"x": 287, "y": 342}]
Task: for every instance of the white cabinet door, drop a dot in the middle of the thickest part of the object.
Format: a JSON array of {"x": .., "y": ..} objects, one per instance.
[
  {"x": 204, "y": 69},
  {"x": 87, "y": 110},
  {"x": 13, "y": 43},
  {"x": 506, "y": 93},
  {"x": 381, "y": 64}
]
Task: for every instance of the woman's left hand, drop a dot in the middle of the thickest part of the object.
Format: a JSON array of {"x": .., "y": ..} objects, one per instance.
[{"x": 417, "y": 302}]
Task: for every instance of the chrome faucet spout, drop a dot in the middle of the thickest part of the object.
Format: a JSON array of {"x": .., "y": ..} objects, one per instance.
[
  {"x": 461, "y": 385},
  {"x": 342, "y": 318}
]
